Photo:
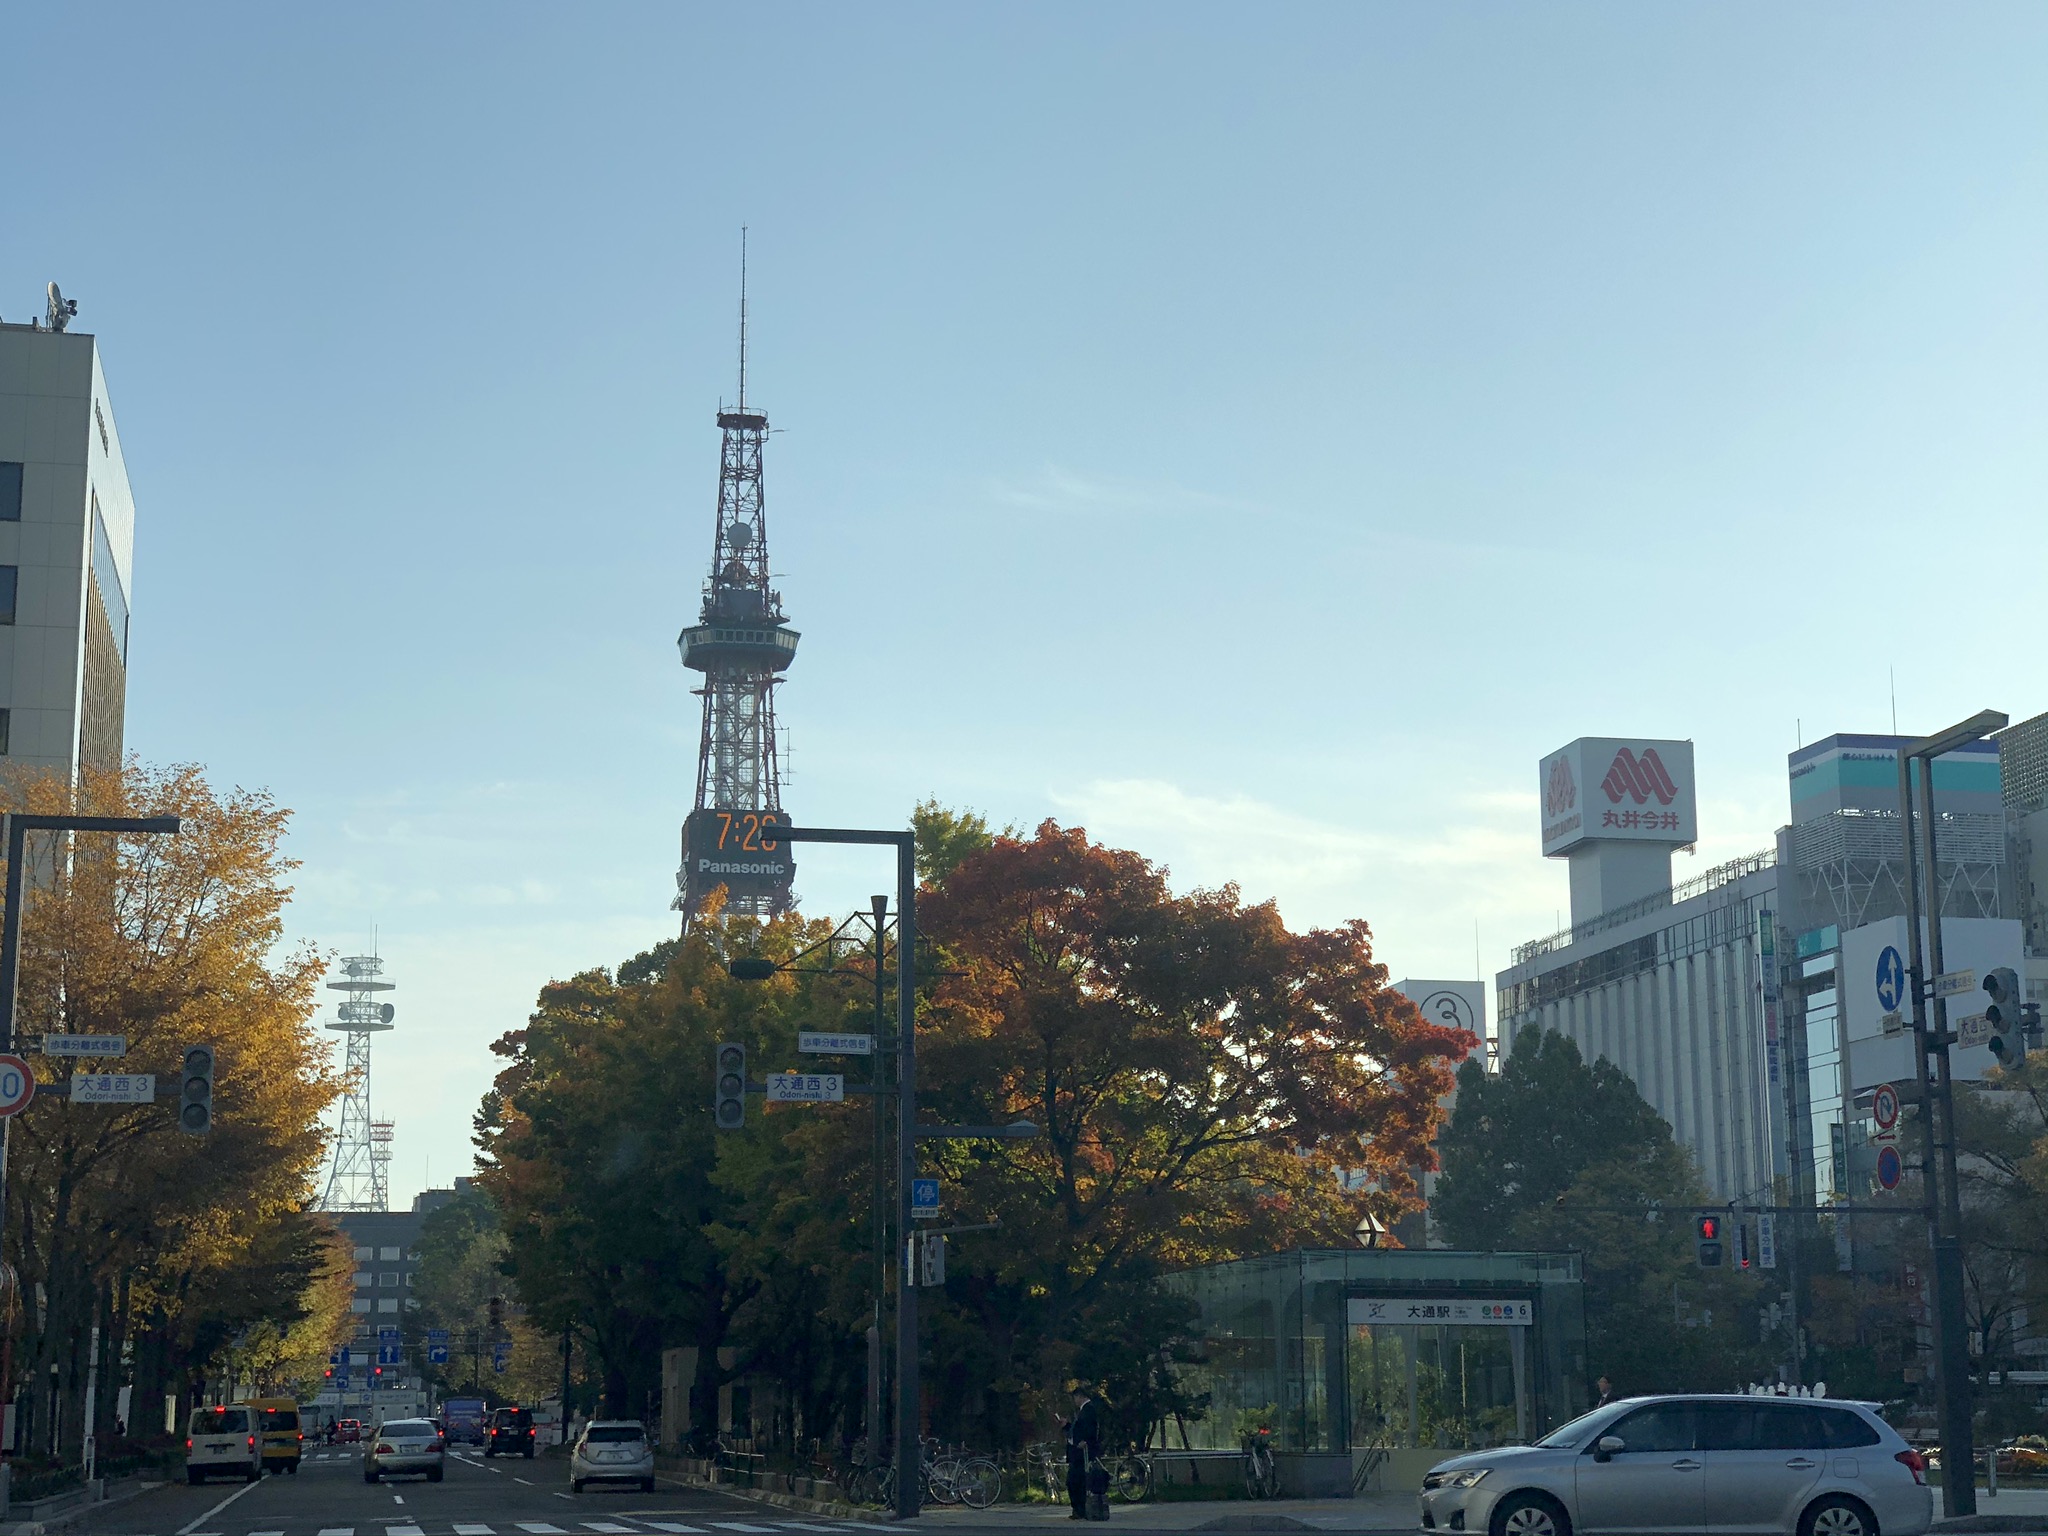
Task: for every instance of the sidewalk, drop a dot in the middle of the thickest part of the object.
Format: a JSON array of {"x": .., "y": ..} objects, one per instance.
[{"x": 2014, "y": 1509}]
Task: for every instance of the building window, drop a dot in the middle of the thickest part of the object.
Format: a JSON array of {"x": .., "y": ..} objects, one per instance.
[
  {"x": 387, "y": 1303},
  {"x": 408, "y": 1279},
  {"x": 362, "y": 1254},
  {"x": 360, "y": 1304},
  {"x": 10, "y": 493},
  {"x": 9, "y": 575},
  {"x": 389, "y": 1277},
  {"x": 387, "y": 1253},
  {"x": 6, "y": 727},
  {"x": 362, "y": 1281}
]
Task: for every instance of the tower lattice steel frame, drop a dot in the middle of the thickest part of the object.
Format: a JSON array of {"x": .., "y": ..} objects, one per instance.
[
  {"x": 359, "y": 1179},
  {"x": 741, "y": 643}
]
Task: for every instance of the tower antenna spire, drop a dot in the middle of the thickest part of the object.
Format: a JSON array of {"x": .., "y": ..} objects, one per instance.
[{"x": 743, "y": 317}]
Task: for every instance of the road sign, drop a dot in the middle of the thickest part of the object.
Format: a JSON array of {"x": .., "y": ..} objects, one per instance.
[
  {"x": 1889, "y": 1168},
  {"x": 391, "y": 1354},
  {"x": 85, "y": 1045},
  {"x": 1891, "y": 978},
  {"x": 1884, "y": 1106},
  {"x": 1973, "y": 1029},
  {"x": 17, "y": 1086},
  {"x": 501, "y": 1355},
  {"x": 341, "y": 1381},
  {"x": 806, "y": 1088},
  {"x": 387, "y": 1334},
  {"x": 924, "y": 1198},
  {"x": 1766, "y": 1241},
  {"x": 114, "y": 1088},
  {"x": 814, "y": 1043},
  {"x": 1894, "y": 1022},
  {"x": 1955, "y": 983},
  {"x": 437, "y": 1354}
]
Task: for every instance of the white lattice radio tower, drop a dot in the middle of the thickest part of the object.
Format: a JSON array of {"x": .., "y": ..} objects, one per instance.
[{"x": 360, "y": 1178}]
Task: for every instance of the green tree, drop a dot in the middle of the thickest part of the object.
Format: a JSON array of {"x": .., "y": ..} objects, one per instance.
[{"x": 1550, "y": 1154}]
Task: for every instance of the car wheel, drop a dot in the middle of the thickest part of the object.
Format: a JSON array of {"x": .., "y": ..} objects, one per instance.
[
  {"x": 647, "y": 1485},
  {"x": 1837, "y": 1516},
  {"x": 1531, "y": 1514}
]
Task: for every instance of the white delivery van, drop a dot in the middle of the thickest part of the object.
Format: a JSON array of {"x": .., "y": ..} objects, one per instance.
[{"x": 223, "y": 1440}]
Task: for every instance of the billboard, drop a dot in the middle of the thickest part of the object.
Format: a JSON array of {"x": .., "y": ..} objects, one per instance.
[
  {"x": 1617, "y": 789},
  {"x": 1872, "y": 982},
  {"x": 737, "y": 849},
  {"x": 1458, "y": 1004}
]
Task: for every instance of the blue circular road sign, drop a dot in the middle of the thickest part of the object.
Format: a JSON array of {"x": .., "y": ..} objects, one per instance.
[
  {"x": 1889, "y": 1168},
  {"x": 1891, "y": 979}
]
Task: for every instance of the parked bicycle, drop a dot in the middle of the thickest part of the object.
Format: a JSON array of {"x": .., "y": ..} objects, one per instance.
[
  {"x": 1261, "y": 1475},
  {"x": 1130, "y": 1476}
]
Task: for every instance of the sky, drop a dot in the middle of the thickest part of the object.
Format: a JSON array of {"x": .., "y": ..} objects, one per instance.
[{"x": 1254, "y": 434}]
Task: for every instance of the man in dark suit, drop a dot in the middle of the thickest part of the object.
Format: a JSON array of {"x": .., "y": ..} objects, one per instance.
[{"x": 1084, "y": 1445}]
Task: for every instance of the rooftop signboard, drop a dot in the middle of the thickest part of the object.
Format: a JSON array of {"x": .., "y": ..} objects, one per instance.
[{"x": 1618, "y": 789}]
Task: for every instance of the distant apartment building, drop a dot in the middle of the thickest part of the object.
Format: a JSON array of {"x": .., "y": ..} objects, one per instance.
[{"x": 67, "y": 541}]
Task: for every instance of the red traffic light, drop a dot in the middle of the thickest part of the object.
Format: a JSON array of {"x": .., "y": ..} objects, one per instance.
[{"x": 1709, "y": 1229}]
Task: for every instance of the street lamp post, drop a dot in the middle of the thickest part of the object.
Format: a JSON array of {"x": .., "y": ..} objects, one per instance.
[
  {"x": 18, "y": 829},
  {"x": 1937, "y": 1098}
]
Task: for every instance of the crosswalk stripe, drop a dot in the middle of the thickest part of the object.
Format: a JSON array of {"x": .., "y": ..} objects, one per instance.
[
  {"x": 473, "y": 1530},
  {"x": 540, "y": 1528},
  {"x": 609, "y": 1529},
  {"x": 338, "y": 1530},
  {"x": 806, "y": 1525},
  {"x": 403, "y": 1530},
  {"x": 266, "y": 1533},
  {"x": 734, "y": 1525},
  {"x": 677, "y": 1530}
]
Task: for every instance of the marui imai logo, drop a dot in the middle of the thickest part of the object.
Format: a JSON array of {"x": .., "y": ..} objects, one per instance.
[
  {"x": 1638, "y": 778},
  {"x": 1560, "y": 790}
]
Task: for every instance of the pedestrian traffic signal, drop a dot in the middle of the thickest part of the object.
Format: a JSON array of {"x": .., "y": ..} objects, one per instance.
[
  {"x": 195, "y": 1097},
  {"x": 1706, "y": 1241},
  {"x": 729, "y": 1101},
  {"x": 2006, "y": 1016}
]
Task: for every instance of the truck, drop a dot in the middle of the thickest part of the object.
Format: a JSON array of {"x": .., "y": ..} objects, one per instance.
[{"x": 463, "y": 1420}]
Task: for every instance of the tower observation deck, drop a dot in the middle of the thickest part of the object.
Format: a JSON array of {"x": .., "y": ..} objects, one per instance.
[{"x": 742, "y": 645}]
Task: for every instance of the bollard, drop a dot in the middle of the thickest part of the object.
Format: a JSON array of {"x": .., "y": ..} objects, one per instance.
[{"x": 1991, "y": 1472}]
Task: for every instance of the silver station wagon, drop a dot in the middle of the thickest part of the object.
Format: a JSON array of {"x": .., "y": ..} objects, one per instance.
[{"x": 1742, "y": 1466}]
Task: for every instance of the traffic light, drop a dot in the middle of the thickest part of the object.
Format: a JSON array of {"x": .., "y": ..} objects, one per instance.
[
  {"x": 729, "y": 1102},
  {"x": 497, "y": 1313},
  {"x": 195, "y": 1097},
  {"x": 1706, "y": 1241},
  {"x": 1742, "y": 1245},
  {"x": 2008, "y": 1038}
]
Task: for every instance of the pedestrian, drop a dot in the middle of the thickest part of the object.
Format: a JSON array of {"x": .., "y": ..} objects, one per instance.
[
  {"x": 1606, "y": 1393},
  {"x": 1084, "y": 1446}
]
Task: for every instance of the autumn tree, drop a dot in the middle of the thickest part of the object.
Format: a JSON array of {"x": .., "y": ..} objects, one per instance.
[
  {"x": 1551, "y": 1154},
  {"x": 187, "y": 1246}
]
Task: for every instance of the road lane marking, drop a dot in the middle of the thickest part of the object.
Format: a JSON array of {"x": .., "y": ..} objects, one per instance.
[
  {"x": 266, "y": 1533},
  {"x": 473, "y": 1530},
  {"x": 187, "y": 1530},
  {"x": 805, "y": 1525},
  {"x": 609, "y": 1528},
  {"x": 517, "y": 1479},
  {"x": 540, "y": 1528},
  {"x": 397, "y": 1499},
  {"x": 338, "y": 1530},
  {"x": 670, "y": 1525},
  {"x": 403, "y": 1530},
  {"x": 734, "y": 1525}
]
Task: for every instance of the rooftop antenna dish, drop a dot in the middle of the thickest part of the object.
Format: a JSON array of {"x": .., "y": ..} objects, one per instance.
[{"x": 62, "y": 310}]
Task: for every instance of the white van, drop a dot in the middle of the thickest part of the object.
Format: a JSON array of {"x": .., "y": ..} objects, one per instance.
[{"x": 222, "y": 1440}]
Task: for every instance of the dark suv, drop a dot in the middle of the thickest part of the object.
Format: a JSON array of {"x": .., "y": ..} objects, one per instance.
[{"x": 511, "y": 1433}]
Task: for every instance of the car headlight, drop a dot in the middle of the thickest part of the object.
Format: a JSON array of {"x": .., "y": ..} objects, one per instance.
[{"x": 1460, "y": 1479}]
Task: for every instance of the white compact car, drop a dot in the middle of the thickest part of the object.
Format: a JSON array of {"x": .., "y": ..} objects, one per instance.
[
  {"x": 612, "y": 1451},
  {"x": 1717, "y": 1466},
  {"x": 222, "y": 1441}
]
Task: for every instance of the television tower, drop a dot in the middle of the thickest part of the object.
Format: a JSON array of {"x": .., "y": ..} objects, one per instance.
[
  {"x": 741, "y": 644},
  {"x": 359, "y": 1179}
]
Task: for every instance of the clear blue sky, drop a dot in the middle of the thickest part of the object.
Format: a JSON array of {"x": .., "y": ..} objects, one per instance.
[{"x": 1203, "y": 423}]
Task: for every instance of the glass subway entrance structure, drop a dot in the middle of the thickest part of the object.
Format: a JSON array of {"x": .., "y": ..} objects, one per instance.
[{"x": 1372, "y": 1364}]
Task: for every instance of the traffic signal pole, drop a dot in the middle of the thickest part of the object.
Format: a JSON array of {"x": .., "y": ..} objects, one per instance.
[{"x": 1933, "y": 1076}]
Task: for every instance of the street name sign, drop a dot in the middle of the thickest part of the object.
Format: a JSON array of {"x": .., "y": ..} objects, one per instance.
[
  {"x": 85, "y": 1045},
  {"x": 805, "y": 1088},
  {"x": 1894, "y": 1022},
  {"x": 1955, "y": 983},
  {"x": 114, "y": 1088},
  {"x": 1405, "y": 1310},
  {"x": 1973, "y": 1029},
  {"x": 815, "y": 1043},
  {"x": 17, "y": 1085}
]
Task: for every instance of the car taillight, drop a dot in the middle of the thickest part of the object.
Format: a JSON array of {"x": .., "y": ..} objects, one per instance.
[
  {"x": 435, "y": 1445},
  {"x": 302, "y": 1437},
  {"x": 1914, "y": 1463},
  {"x": 252, "y": 1442},
  {"x": 188, "y": 1445}
]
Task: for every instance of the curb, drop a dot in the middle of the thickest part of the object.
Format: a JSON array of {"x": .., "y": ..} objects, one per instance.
[
  {"x": 830, "y": 1509},
  {"x": 76, "y": 1513}
]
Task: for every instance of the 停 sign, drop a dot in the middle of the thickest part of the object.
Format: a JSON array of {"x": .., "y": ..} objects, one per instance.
[
  {"x": 1432, "y": 1311},
  {"x": 805, "y": 1088},
  {"x": 85, "y": 1045},
  {"x": 114, "y": 1088},
  {"x": 924, "y": 1197},
  {"x": 813, "y": 1043}
]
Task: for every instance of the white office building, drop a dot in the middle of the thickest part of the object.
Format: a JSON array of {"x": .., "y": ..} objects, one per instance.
[{"x": 67, "y": 538}]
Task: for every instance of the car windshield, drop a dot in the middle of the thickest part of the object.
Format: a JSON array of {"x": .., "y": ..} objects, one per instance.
[
  {"x": 513, "y": 1418},
  {"x": 1567, "y": 1436},
  {"x": 280, "y": 1418},
  {"x": 614, "y": 1434},
  {"x": 220, "y": 1421},
  {"x": 407, "y": 1429}
]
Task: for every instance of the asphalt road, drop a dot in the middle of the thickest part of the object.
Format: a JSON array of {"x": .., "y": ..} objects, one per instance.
[{"x": 504, "y": 1496}]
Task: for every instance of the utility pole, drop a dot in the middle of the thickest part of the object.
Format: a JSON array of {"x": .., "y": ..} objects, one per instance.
[{"x": 1938, "y": 1111}]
